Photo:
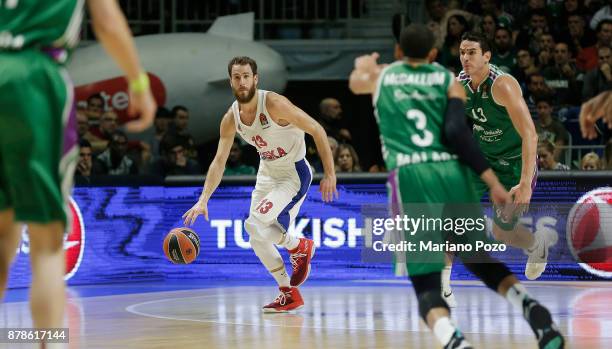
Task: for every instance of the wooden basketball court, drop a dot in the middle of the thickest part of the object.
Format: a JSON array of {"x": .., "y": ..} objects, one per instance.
[{"x": 358, "y": 314}]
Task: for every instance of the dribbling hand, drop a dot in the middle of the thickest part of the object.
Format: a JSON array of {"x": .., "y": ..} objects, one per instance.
[{"x": 200, "y": 208}]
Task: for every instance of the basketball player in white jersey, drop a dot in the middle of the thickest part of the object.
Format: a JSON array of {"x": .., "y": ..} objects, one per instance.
[{"x": 275, "y": 127}]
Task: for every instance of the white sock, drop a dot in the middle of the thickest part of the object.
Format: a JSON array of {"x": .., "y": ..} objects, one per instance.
[
  {"x": 516, "y": 294},
  {"x": 444, "y": 329},
  {"x": 290, "y": 242},
  {"x": 446, "y": 275},
  {"x": 272, "y": 260},
  {"x": 281, "y": 277}
]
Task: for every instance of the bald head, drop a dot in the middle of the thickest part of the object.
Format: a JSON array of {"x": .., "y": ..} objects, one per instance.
[{"x": 330, "y": 108}]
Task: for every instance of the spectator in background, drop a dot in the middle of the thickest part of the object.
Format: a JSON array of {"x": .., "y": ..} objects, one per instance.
[
  {"x": 173, "y": 159},
  {"x": 546, "y": 46},
  {"x": 436, "y": 9},
  {"x": 488, "y": 26},
  {"x": 102, "y": 133},
  {"x": 588, "y": 57},
  {"x": 579, "y": 37},
  {"x": 604, "y": 13},
  {"x": 114, "y": 160},
  {"x": 590, "y": 162},
  {"x": 85, "y": 164},
  {"x": 331, "y": 120},
  {"x": 439, "y": 14},
  {"x": 564, "y": 77},
  {"x": 529, "y": 36},
  {"x": 179, "y": 125},
  {"x": 494, "y": 7},
  {"x": 599, "y": 79},
  {"x": 347, "y": 159},
  {"x": 83, "y": 127},
  {"x": 449, "y": 54},
  {"x": 95, "y": 108},
  {"x": 234, "y": 165},
  {"x": 546, "y": 159},
  {"x": 537, "y": 89},
  {"x": 317, "y": 165},
  {"x": 525, "y": 66},
  {"x": 571, "y": 7},
  {"x": 549, "y": 128},
  {"x": 504, "y": 56},
  {"x": 163, "y": 118},
  {"x": 523, "y": 18}
]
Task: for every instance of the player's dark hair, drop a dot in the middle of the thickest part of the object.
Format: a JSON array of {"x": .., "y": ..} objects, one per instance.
[
  {"x": 178, "y": 108},
  {"x": 602, "y": 23},
  {"x": 242, "y": 60},
  {"x": 95, "y": 96},
  {"x": 479, "y": 38},
  {"x": 416, "y": 41},
  {"x": 504, "y": 28},
  {"x": 545, "y": 98},
  {"x": 83, "y": 143},
  {"x": 163, "y": 113}
]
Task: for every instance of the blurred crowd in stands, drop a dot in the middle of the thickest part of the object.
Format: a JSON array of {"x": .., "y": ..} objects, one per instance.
[{"x": 558, "y": 50}]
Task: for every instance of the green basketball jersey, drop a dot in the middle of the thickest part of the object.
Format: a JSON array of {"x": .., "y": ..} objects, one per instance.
[
  {"x": 50, "y": 25},
  {"x": 493, "y": 128},
  {"x": 410, "y": 105}
]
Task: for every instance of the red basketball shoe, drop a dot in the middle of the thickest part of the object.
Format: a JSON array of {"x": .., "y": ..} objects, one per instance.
[
  {"x": 300, "y": 260},
  {"x": 288, "y": 299}
]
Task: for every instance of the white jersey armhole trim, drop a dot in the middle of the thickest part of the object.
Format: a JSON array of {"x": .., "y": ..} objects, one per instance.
[{"x": 379, "y": 81}]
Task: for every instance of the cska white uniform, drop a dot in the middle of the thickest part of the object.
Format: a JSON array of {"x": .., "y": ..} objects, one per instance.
[{"x": 284, "y": 175}]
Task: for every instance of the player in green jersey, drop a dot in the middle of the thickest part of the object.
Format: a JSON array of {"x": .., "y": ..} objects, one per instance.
[
  {"x": 427, "y": 144},
  {"x": 38, "y": 132},
  {"x": 506, "y": 134}
]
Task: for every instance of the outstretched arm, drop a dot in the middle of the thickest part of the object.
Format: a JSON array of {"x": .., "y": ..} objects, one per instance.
[
  {"x": 280, "y": 105},
  {"x": 508, "y": 93},
  {"x": 227, "y": 132},
  {"x": 594, "y": 109},
  {"x": 365, "y": 74},
  {"x": 112, "y": 31}
]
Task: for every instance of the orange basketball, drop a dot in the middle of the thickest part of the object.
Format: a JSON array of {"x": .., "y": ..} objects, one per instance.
[{"x": 181, "y": 246}]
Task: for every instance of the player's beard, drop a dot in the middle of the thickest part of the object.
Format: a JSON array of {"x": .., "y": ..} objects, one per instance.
[{"x": 244, "y": 99}]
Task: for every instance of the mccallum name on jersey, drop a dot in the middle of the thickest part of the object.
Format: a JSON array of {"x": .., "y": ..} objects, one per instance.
[{"x": 272, "y": 154}]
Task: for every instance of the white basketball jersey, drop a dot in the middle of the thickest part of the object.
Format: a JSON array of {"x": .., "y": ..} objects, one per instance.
[{"x": 277, "y": 145}]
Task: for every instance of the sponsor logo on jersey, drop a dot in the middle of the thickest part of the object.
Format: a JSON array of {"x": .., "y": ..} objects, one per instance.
[{"x": 263, "y": 120}]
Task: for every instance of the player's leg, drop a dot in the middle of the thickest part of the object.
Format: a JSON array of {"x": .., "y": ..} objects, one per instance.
[
  {"x": 41, "y": 164},
  {"x": 512, "y": 233},
  {"x": 499, "y": 279},
  {"x": 447, "y": 291},
  {"x": 434, "y": 310},
  {"x": 271, "y": 217},
  {"x": 10, "y": 235},
  {"x": 265, "y": 250},
  {"x": 47, "y": 295},
  {"x": 435, "y": 183}
]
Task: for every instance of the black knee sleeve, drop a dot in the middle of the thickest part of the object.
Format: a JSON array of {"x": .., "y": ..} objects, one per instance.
[
  {"x": 428, "y": 289},
  {"x": 489, "y": 270}
]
